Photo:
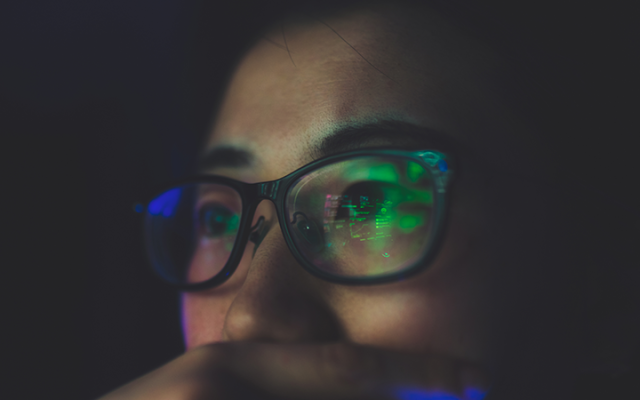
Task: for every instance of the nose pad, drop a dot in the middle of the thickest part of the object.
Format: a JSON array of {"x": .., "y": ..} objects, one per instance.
[
  {"x": 261, "y": 226},
  {"x": 258, "y": 233},
  {"x": 258, "y": 230},
  {"x": 257, "y": 227}
]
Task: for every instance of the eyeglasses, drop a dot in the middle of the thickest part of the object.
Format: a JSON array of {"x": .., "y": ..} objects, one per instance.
[{"x": 361, "y": 217}]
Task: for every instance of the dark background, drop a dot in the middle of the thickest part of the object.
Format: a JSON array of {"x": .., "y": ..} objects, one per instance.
[
  {"x": 93, "y": 115},
  {"x": 99, "y": 102}
]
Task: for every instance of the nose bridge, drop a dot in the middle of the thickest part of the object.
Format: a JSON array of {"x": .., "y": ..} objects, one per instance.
[{"x": 277, "y": 301}]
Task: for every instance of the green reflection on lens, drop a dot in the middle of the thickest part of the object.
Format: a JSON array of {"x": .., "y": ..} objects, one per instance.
[
  {"x": 409, "y": 222},
  {"x": 234, "y": 224},
  {"x": 414, "y": 171},
  {"x": 366, "y": 216},
  {"x": 421, "y": 196},
  {"x": 219, "y": 221},
  {"x": 384, "y": 172}
]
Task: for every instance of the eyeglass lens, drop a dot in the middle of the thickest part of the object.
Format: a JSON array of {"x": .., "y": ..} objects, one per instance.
[
  {"x": 191, "y": 231},
  {"x": 361, "y": 217}
]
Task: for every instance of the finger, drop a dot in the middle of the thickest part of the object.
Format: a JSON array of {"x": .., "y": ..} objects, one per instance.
[
  {"x": 196, "y": 375},
  {"x": 342, "y": 370}
]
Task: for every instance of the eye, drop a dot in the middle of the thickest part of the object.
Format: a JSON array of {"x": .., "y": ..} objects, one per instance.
[
  {"x": 217, "y": 221},
  {"x": 308, "y": 230}
]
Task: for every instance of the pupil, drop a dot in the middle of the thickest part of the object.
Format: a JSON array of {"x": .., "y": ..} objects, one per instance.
[{"x": 310, "y": 233}]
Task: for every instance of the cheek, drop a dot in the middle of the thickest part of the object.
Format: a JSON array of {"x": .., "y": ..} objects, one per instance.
[
  {"x": 202, "y": 319},
  {"x": 436, "y": 312},
  {"x": 401, "y": 321},
  {"x": 443, "y": 310}
]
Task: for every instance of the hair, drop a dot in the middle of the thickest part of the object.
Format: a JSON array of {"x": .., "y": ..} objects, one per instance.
[{"x": 566, "y": 77}]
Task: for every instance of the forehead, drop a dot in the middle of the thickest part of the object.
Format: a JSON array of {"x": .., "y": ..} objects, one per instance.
[{"x": 309, "y": 77}]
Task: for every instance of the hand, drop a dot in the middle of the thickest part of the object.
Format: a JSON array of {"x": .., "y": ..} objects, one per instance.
[{"x": 243, "y": 370}]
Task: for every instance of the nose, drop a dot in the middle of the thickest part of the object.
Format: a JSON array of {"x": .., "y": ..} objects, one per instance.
[{"x": 279, "y": 300}]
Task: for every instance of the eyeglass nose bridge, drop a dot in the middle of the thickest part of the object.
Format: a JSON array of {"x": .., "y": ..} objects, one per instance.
[{"x": 268, "y": 190}]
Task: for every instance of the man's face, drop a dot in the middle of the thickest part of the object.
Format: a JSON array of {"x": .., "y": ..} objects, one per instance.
[{"x": 498, "y": 275}]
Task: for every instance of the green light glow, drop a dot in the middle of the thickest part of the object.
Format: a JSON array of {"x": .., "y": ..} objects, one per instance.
[
  {"x": 369, "y": 169},
  {"x": 414, "y": 171},
  {"x": 421, "y": 196},
  {"x": 384, "y": 173},
  {"x": 410, "y": 222}
]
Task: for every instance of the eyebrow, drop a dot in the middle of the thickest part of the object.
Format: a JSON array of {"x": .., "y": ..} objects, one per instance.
[
  {"x": 385, "y": 133},
  {"x": 388, "y": 133},
  {"x": 226, "y": 156}
]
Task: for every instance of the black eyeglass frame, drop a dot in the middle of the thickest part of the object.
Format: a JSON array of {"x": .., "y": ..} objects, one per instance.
[{"x": 438, "y": 163}]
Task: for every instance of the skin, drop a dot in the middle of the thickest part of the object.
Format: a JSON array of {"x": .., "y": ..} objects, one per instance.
[{"x": 499, "y": 295}]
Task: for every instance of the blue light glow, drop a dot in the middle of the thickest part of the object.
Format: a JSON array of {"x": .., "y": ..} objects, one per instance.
[
  {"x": 421, "y": 394},
  {"x": 474, "y": 394},
  {"x": 442, "y": 165},
  {"x": 470, "y": 393},
  {"x": 138, "y": 208},
  {"x": 166, "y": 203}
]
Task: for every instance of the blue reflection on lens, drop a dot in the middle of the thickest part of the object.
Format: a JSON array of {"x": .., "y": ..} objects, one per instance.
[
  {"x": 165, "y": 203},
  {"x": 442, "y": 165},
  {"x": 474, "y": 394},
  {"x": 420, "y": 394},
  {"x": 138, "y": 208}
]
